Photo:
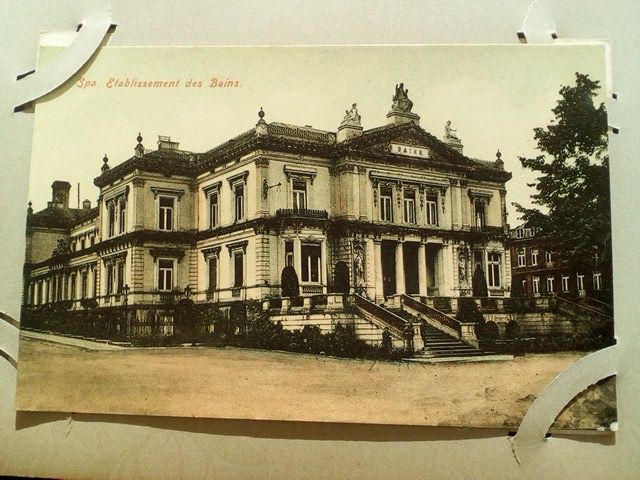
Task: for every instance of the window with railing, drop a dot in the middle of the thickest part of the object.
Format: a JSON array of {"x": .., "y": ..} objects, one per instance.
[
  {"x": 288, "y": 253},
  {"x": 122, "y": 215},
  {"x": 213, "y": 273},
  {"x": 479, "y": 212},
  {"x": 166, "y": 213},
  {"x": 597, "y": 281},
  {"x": 165, "y": 274},
  {"x": 432, "y": 209},
  {"x": 239, "y": 207},
  {"x": 386, "y": 204},
  {"x": 534, "y": 257},
  {"x": 410, "y": 206},
  {"x": 238, "y": 269},
  {"x": 299, "y": 195},
  {"x": 494, "y": 267},
  {"x": 311, "y": 254},
  {"x": 111, "y": 218},
  {"x": 214, "y": 209},
  {"x": 536, "y": 285},
  {"x": 83, "y": 284},
  {"x": 550, "y": 284},
  {"x": 110, "y": 279}
]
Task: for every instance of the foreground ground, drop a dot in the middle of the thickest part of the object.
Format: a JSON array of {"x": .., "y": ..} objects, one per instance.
[{"x": 256, "y": 384}]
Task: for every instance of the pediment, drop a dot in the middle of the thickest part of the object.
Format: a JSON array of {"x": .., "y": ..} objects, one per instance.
[{"x": 405, "y": 141}]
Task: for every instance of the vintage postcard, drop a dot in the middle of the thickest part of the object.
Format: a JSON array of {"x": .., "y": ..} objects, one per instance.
[{"x": 375, "y": 234}]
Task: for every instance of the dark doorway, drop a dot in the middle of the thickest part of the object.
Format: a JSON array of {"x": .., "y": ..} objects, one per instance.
[
  {"x": 411, "y": 268},
  {"x": 388, "y": 252}
]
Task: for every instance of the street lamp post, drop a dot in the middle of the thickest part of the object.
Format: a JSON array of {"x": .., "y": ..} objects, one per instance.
[{"x": 125, "y": 303}]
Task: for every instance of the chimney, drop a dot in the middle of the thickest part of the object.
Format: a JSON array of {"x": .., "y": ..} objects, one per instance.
[
  {"x": 165, "y": 143},
  {"x": 60, "y": 194},
  {"x": 86, "y": 204}
]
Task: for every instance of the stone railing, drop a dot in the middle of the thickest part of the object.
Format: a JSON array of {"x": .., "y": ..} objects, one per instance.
[{"x": 389, "y": 319}]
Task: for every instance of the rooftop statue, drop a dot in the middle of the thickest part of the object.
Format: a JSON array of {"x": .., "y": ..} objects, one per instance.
[
  {"x": 450, "y": 133},
  {"x": 352, "y": 117},
  {"x": 401, "y": 102}
]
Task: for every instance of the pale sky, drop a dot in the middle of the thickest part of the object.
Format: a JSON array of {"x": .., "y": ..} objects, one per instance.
[{"x": 494, "y": 96}]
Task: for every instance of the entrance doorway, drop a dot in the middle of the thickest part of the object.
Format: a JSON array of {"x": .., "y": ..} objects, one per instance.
[
  {"x": 388, "y": 253},
  {"x": 411, "y": 268}
]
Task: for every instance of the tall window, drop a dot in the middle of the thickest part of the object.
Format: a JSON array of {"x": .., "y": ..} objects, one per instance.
[
  {"x": 213, "y": 273},
  {"x": 386, "y": 204},
  {"x": 94, "y": 282},
  {"x": 299, "y": 195},
  {"x": 238, "y": 193},
  {"x": 597, "y": 281},
  {"x": 311, "y": 257},
  {"x": 522, "y": 257},
  {"x": 120, "y": 270},
  {"x": 410, "y": 206},
  {"x": 166, "y": 206},
  {"x": 524, "y": 287},
  {"x": 565, "y": 283},
  {"x": 82, "y": 243},
  {"x": 46, "y": 291},
  {"x": 580, "y": 282},
  {"x": 536, "y": 285},
  {"x": 39, "y": 293},
  {"x": 534, "y": 257},
  {"x": 548, "y": 256},
  {"x": 83, "y": 284},
  {"x": 72, "y": 287},
  {"x": 238, "y": 269},
  {"x": 214, "y": 208},
  {"x": 493, "y": 269},
  {"x": 550, "y": 284},
  {"x": 111, "y": 215},
  {"x": 288, "y": 253},
  {"x": 432, "y": 209},
  {"x": 479, "y": 213},
  {"x": 122, "y": 215},
  {"x": 165, "y": 275},
  {"x": 110, "y": 280}
]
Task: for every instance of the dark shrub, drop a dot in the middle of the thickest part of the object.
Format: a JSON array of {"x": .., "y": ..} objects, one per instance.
[
  {"x": 468, "y": 311},
  {"x": 238, "y": 317},
  {"x": 479, "y": 283},
  {"x": 289, "y": 282},
  {"x": 512, "y": 330},
  {"x": 487, "y": 331},
  {"x": 341, "y": 278}
]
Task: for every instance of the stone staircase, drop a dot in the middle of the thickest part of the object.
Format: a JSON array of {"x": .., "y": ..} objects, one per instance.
[{"x": 441, "y": 347}]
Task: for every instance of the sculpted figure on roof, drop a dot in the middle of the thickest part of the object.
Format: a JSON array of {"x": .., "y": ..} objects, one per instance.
[
  {"x": 352, "y": 117},
  {"x": 401, "y": 102}
]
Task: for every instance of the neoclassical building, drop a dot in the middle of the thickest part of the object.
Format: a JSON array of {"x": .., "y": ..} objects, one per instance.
[{"x": 408, "y": 213}]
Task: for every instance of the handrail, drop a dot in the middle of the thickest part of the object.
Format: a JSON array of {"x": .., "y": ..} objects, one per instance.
[
  {"x": 385, "y": 316},
  {"x": 600, "y": 304},
  {"x": 432, "y": 313},
  {"x": 578, "y": 307}
]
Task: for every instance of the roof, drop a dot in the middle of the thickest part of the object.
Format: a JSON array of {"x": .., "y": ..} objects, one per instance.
[
  {"x": 60, "y": 217},
  {"x": 300, "y": 140}
]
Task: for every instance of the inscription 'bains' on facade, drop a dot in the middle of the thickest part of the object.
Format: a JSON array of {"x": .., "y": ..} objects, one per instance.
[{"x": 405, "y": 212}]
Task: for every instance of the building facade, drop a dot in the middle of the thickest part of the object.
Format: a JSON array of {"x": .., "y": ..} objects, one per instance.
[
  {"x": 407, "y": 213},
  {"x": 537, "y": 271}
]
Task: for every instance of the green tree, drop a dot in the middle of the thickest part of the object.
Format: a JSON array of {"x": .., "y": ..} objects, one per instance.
[{"x": 571, "y": 199}]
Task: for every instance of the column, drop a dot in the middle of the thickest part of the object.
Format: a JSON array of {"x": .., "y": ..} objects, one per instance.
[
  {"x": 400, "y": 286},
  {"x": 377, "y": 270},
  {"x": 422, "y": 269},
  {"x": 323, "y": 262},
  {"x": 297, "y": 259}
]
